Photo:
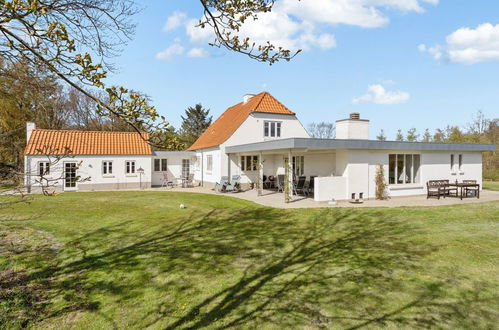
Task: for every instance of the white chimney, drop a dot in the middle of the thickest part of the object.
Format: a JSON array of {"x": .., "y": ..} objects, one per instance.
[
  {"x": 30, "y": 126},
  {"x": 247, "y": 97},
  {"x": 352, "y": 128}
]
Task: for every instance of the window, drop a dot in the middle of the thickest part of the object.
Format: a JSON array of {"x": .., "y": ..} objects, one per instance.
[
  {"x": 403, "y": 168},
  {"x": 460, "y": 162},
  {"x": 272, "y": 129},
  {"x": 186, "y": 164},
  {"x": 249, "y": 163},
  {"x": 452, "y": 163},
  {"x": 298, "y": 165},
  {"x": 160, "y": 165},
  {"x": 43, "y": 168},
  {"x": 107, "y": 167},
  {"x": 130, "y": 167},
  {"x": 209, "y": 163}
]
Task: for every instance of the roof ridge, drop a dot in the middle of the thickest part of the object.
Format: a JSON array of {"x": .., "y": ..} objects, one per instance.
[{"x": 261, "y": 99}]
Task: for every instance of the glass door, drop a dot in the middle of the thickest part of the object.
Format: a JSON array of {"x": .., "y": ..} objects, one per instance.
[
  {"x": 70, "y": 176},
  {"x": 185, "y": 168}
]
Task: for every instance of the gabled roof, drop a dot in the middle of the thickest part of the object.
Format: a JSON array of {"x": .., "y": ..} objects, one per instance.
[
  {"x": 233, "y": 117},
  {"x": 59, "y": 142}
]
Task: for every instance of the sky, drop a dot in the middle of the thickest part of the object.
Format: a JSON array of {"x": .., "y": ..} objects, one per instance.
[{"x": 400, "y": 63}]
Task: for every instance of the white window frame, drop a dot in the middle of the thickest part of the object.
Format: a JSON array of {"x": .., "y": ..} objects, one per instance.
[
  {"x": 460, "y": 158},
  {"x": 413, "y": 180},
  {"x": 250, "y": 166},
  {"x": 268, "y": 125},
  {"x": 129, "y": 165},
  {"x": 453, "y": 163},
  {"x": 106, "y": 168},
  {"x": 298, "y": 165},
  {"x": 209, "y": 163},
  {"x": 46, "y": 168}
]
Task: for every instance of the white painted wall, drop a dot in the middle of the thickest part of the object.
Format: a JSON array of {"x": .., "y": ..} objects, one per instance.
[
  {"x": 201, "y": 173},
  {"x": 251, "y": 130},
  {"x": 352, "y": 129},
  {"x": 91, "y": 167},
  {"x": 327, "y": 188},
  {"x": 174, "y": 168}
]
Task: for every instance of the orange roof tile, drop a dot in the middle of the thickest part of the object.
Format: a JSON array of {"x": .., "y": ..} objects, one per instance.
[
  {"x": 43, "y": 141},
  {"x": 233, "y": 117}
]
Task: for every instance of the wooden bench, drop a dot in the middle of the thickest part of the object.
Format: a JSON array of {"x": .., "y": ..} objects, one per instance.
[{"x": 437, "y": 188}]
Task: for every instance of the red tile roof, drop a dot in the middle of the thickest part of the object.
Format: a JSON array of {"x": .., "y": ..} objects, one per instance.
[
  {"x": 233, "y": 117},
  {"x": 44, "y": 141}
]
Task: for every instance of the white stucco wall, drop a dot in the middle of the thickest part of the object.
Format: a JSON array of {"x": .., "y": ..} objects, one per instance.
[
  {"x": 174, "y": 168},
  {"x": 91, "y": 167},
  {"x": 201, "y": 173}
]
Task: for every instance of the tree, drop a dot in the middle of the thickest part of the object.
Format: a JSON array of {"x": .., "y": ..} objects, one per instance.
[
  {"x": 454, "y": 134},
  {"x": 426, "y": 136},
  {"x": 196, "y": 120},
  {"x": 227, "y": 17},
  {"x": 381, "y": 136},
  {"x": 439, "y": 136},
  {"x": 321, "y": 130},
  {"x": 412, "y": 136},
  {"x": 400, "y": 136},
  {"x": 380, "y": 182}
]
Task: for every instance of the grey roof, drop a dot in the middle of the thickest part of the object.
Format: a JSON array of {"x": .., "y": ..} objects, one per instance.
[
  {"x": 311, "y": 143},
  {"x": 174, "y": 153}
]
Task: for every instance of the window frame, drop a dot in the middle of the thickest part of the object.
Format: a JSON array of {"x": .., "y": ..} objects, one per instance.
[
  {"x": 300, "y": 169},
  {"x": 209, "y": 163},
  {"x": 46, "y": 168},
  {"x": 272, "y": 129},
  {"x": 129, "y": 165},
  {"x": 105, "y": 168},
  {"x": 394, "y": 169},
  {"x": 460, "y": 162},
  {"x": 249, "y": 163}
]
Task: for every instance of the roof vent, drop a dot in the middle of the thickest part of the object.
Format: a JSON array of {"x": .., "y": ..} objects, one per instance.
[
  {"x": 247, "y": 97},
  {"x": 355, "y": 116}
]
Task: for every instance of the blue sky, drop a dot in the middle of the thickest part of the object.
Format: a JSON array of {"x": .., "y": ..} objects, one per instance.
[{"x": 400, "y": 63}]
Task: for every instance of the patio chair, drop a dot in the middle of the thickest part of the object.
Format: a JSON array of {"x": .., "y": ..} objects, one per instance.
[
  {"x": 189, "y": 181},
  {"x": 299, "y": 187},
  {"x": 472, "y": 190},
  {"x": 437, "y": 188},
  {"x": 280, "y": 183},
  {"x": 310, "y": 188},
  {"x": 234, "y": 185},
  {"x": 166, "y": 181},
  {"x": 223, "y": 183}
]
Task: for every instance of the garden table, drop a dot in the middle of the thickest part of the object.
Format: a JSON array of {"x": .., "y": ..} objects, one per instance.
[{"x": 461, "y": 188}]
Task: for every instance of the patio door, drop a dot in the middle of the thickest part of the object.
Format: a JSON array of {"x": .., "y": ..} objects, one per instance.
[
  {"x": 185, "y": 168},
  {"x": 70, "y": 176}
]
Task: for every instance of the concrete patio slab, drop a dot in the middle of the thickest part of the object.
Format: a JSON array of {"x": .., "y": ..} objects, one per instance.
[{"x": 276, "y": 200}]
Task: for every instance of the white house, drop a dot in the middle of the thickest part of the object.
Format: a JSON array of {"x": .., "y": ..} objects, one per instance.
[
  {"x": 256, "y": 137},
  {"x": 253, "y": 139}
]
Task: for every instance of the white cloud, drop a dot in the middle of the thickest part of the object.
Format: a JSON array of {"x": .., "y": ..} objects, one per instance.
[
  {"x": 170, "y": 52},
  {"x": 469, "y": 46},
  {"x": 377, "y": 94},
  {"x": 294, "y": 24},
  {"x": 198, "y": 53},
  {"x": 175, "y": 20}
]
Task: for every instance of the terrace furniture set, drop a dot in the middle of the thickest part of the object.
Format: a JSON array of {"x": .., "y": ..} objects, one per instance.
[
  {"x": 172, "y": 182},
  {"x": 234, "y": 185},
  {"x": 438, "y": 188}
]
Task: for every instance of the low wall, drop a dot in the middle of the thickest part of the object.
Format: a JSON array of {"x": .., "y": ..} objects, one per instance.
[{"x": 332, "y": 187}]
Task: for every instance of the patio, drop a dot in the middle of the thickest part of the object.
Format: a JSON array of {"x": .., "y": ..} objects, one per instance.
[{"x": 275, "y": 199}]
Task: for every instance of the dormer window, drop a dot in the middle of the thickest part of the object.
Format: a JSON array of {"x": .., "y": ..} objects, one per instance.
[{"x": 272, "y": 129}]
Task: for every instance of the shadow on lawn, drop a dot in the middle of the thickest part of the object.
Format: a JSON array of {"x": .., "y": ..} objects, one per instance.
[{"x": 341, "y": 268}]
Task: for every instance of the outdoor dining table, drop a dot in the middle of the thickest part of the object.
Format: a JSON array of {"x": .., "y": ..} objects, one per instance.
[{"x": 461, "y": 188}]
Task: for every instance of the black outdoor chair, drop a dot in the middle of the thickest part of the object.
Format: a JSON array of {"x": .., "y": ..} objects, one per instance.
[
  {"x": 299, "y": 188},
  {"x": 311, "y": 183}
]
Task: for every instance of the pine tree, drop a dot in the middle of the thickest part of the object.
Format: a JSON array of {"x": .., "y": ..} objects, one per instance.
[
  {"x": 195, "y": 122},
  {"x": 426, "y": 136},
  {"x": 400, "y": 136},
  {"x": 381, "y": 136},
  {"x": 411, "y": 135}
]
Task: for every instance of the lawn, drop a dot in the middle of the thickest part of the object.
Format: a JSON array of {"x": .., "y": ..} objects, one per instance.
[
  {"x": 135, "y": 260},
  {"x": 491, "y": 185}
]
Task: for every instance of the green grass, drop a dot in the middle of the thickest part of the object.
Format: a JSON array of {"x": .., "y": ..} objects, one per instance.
[
  {"x": 491, "y": 185},
  {"x": 135, "y": 260}
]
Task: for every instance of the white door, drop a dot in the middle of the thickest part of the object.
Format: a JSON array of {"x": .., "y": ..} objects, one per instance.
[{"x": 70, "y": 177}]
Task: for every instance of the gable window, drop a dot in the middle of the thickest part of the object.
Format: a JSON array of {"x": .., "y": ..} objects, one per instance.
[
  {"x": 298, "y": 165},
  {"x": 272, "y": 129},
  {"x": 160, "y": 165},
  {"x": 130, "y": 167},
  {"x": 209, "y": 163},
  {"x": 43, "y": 168},
  {"x": 107, "y": 167},
  {"x": 404, "y": 168},
  {"x": 249, "y": 163}
]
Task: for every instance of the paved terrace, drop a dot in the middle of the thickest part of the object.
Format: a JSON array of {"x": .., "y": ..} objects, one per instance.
[{"x": 274, "y": 199}]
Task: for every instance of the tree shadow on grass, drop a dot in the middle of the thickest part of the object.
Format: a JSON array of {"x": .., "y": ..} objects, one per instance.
[{"x": 337, "y": 268}]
